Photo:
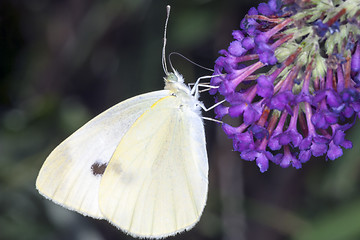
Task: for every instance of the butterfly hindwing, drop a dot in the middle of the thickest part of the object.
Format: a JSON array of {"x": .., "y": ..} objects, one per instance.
[{"x": 156, "y": 182}]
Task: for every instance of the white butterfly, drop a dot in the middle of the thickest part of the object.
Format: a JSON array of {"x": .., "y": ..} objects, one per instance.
[{"x": 142, "y": 164}]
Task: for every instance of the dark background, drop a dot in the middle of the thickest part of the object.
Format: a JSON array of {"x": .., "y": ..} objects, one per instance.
[{"x": 64, "y": 62}]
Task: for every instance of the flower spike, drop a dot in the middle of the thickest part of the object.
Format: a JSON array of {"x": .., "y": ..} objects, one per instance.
[{"x": 291, "y": 76}]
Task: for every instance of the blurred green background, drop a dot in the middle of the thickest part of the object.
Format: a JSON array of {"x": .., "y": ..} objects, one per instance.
[{"x": 64, "y": 62}]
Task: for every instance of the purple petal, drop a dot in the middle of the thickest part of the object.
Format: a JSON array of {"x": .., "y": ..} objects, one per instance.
[
  {"x": 286, "y": 161},
  {"x": 236, "y": 49},
  {"x": 334, "y": 151},
  {"x": 252, "y": 113},
  {"x": 249, "y": 155},
  {"x": 281, "y": 101},
  {"x": 238, "y": 35},
  {"x": 356, "y": 106},
  {"x": 304, "y": 97},
  {"x": 346, "y": 96},
  {"x": 318, "y": 149},
  {"x": 273, "y": 4},
  {"x": 258, "y": 131},
  {"x": 262, "y": 162},
  {"x": 215, "y": 81},
  {"x": 265, "y": 9},
  {"x": 348, "y": 112},
  {"x": 342, "y": 108},
  {"x": 235, "y": 98},
  {"x": 243, "y": 141},
  {"x": 221, "y": 111},
  {"x": 320, "y": 139},
  {"x": 261, "y": 40},
  {"x": 252, "y": 11},
  {"x": 296, "y": 163},
  {"x": 333, "y": 98},
  {"x": 268, "y": 57},
  {"x": 237, "y": 110},
  {"x": 277, "y": 158},
  {"x": 289, "y": 159},
  {"x": 248, "y": 43},
  {"x": 304, "y": 156},
  {"x": 305, "y": 143},
  {"x": 324, "y": 118},
  {"x": 355, "y": 60},
  {"x": 226, "y": 87},
  {"x": 265, "y": 87},
  {"x": 346, "y": 144},
  {"x": 357, "y": 79},
  {"x": 339, "y": 137},
  {"x": 290, "y": 135},
  {"x": 319, "y": 95},
  {"x": 274, "y": 142},
  {"x": 230, "y": 130}
]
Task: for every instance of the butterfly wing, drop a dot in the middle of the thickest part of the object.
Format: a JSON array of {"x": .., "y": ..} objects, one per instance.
[
  {"x": 156, "y": 182},
  {"x": 72, "y": 172}
]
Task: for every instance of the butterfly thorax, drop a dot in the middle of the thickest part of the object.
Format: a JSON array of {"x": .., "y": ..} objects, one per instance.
[{"x": 175, "y": 83}]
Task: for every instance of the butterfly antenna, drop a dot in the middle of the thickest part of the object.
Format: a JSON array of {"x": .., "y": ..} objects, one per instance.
[
  {"x": 187, "y": 59},
  {"x": 163, "y": 59}
]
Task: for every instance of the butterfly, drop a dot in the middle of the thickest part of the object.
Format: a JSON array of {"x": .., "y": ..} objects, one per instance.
[{"x": 142, "y": 164}]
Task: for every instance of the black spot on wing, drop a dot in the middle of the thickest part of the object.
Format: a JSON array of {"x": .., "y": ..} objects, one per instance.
[{"x": 98, "y": 169}]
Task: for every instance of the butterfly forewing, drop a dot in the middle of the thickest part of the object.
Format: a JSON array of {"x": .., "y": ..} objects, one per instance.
[{"x": 72, "y": 172}]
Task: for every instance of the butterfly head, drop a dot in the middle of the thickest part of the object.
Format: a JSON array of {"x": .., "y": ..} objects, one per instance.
[
  {"x": 173, "y": 77},
  {"x": 174, "y": 81}
]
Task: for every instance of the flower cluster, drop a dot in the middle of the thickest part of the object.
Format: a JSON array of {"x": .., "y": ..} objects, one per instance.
[{"x": 291, "y": 76}]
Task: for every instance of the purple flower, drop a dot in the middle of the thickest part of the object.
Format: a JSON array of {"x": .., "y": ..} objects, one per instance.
[
  {"x": 266, "y": 54},
  {"x": 258, "y": 132},
  {"x": 293, "y": 84},
  {"x": 251, "y": 113},
  {"x": 249, "y": 24},
  {"x": 334, "y": 151},
  {"x": 324, "y": 118},
  {"x": 288, "y": 159},
  {"x": 316, "y": 144},
  {"x": 248, "y": 43},
  {"x": 236, "y": 49},
  {"x": 221, "y": 111},
  {"x": 269, "y": 8},
  {"x": 336, "y": 143},
  {"x": 332, "y": 98},
  {"x": 262, "y": 158},
  {"x": 265, "y": 87},
  {"x": 355, "y": 60},
  {"x": 290, "y": 136},
  {"x": 351, "y": 100},
  {"x": 232, "y": 131},
  {"x": 243, "y": 141},
  {"x": 282, "y": 101}
]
